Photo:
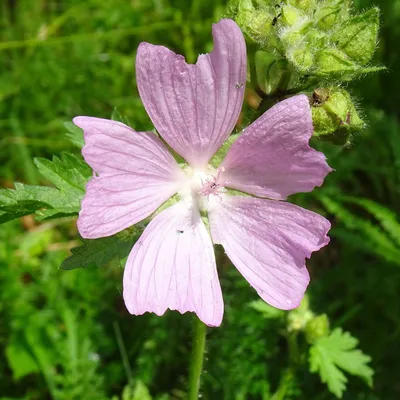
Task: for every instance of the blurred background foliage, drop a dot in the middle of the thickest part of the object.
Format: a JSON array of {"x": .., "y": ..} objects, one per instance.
[{"x": 66, "y": 334}]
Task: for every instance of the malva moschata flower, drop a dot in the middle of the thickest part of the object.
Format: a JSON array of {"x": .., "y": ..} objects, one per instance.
[{"x": 194, "y": 109}]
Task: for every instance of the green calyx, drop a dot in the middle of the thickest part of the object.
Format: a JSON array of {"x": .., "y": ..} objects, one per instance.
[
  {"x": 335, "y": 117},
  {"x": 312, "y": 41},
  {"x": 316, "y": 328}
]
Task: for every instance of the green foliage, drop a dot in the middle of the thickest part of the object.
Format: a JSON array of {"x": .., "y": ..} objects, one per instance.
[
  {"x": 335, "y": 351},
  {"x": 61, "y": 59},
  {"x": 74, "y": 134},
  {"x": 98, "y": 252},
  {"x": 69, "y": 174},
  {"x": 375, "y": 239},
  {"x": 310, "y": 46}
]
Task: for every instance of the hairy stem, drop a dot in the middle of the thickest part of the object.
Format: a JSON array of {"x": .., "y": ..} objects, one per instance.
[{"x": 196, "y": 362}]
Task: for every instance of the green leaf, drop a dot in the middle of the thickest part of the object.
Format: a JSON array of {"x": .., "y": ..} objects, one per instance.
[
  {"x": 20, "y": 360},
  {"x": 27, "y": 199},
  {"x": 387, "y": 218},
  {"x": 68, "y": 173},
  {"x": 98, "y": 252},
  {"x": 369, "y": 237},
  {"x": 266, "y": 310},
  {"x": 74, "y": 134},
  {"x": 331, "y": 354},
  {"x": 117, "y": 116}
]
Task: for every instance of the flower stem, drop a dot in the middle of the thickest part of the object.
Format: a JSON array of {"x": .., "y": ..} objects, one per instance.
[{"x": 196, "y": 362}]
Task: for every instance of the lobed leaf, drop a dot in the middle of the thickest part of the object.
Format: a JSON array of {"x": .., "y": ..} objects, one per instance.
[{"x": 331, "y": 354}]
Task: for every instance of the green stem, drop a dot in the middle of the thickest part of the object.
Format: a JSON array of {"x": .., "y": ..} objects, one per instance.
[
  {"x": 122, "y": 350},
  {"x": 196, "y": 362}
]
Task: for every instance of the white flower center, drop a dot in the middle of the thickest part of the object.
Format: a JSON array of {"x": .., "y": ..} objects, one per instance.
[{"x": 201, "y": 186}]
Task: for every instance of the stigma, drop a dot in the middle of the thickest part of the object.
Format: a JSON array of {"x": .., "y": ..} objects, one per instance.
[{"x": 202, "y": 187}]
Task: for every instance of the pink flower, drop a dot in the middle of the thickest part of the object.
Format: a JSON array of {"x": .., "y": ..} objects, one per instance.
[{"x": 195, "y": 108}]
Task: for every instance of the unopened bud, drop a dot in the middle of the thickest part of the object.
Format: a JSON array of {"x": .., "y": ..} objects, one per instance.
[
  {"x": 358, "y": 36},
  {"x": 333, "y": 63},
  {"x": 256, "y": 23},
  {"x": 299, "y": 317},
  {"x": 330, "y": 13},
  {"x": 334, "y": 115},
  {"x": 302, "y": 4},
  {"x": 301, "y": 57},
  {"x": 272, "y": 72},
  {"x": 316, "y": 328},
  {"x": 290, "y": 15}
]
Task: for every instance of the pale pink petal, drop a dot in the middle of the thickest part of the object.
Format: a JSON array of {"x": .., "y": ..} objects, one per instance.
[
  {"x": 268, "y": 242},
  {"x": 134, "y": 175},
  {"x": 173, "y": 266},
  {"x": 195, "y": 107},
  {"x": 272, "y": 157}
]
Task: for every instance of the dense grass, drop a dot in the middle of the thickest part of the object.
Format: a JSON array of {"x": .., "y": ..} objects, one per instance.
[{"x": 66, "y": 334}]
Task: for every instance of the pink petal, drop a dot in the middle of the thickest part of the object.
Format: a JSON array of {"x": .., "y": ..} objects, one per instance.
[
  {"x": 272, "y": 157},
  {"x": 268, "y": 242},
  {"x": 173, "y": 266},
  {"x": 135, "y": 174},
  {"x": 195, "y": 107}
]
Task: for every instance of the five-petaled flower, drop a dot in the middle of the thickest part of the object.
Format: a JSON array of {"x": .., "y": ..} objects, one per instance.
[{"x": 195, "y": 108}]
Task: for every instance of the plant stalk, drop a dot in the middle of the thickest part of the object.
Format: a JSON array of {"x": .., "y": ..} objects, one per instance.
[{"x": 197, "y": 357}]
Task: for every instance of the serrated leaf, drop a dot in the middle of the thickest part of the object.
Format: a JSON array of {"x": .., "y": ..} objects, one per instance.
[
  {"x": 68, "y": 173},
  {"x": 74, "y": 134},
  {"x": 27, "y": 199},
  {"x": 98, "y": 252},
  {"x": 331, "y": 354},
  {"x": 116, "y": 116}
]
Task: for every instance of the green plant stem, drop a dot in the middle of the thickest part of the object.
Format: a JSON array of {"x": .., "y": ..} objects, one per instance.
[
  {"x": 122, "y": 350},
  {"x": 196, "y": 362}
]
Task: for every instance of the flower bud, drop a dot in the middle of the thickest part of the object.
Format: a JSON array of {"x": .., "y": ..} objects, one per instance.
[
  {"x": 334, "y": 115},
  {"x": 301, "y": 57},
  {"x": 302, "y": 4},
  {"x": 316, "y": 328},
  {"x": 294, "y": 35},
  {"x": 299, "y": 317},
  {"x": 271, "y": 71},
  {"x": 330, "y": 13},
  {"x": 333, "y": 63},
  {"x": 358, "y": 36},
  {"x": 290, "y": 15},
  {"x": 256, "y": 23}
]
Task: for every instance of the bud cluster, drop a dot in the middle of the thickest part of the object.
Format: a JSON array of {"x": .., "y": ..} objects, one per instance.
[
  {"x": 302, "y": 45},
  {"x": 303, "y": 319}
]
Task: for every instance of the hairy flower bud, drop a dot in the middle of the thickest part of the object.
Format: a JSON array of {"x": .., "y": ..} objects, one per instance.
[
  {"x": 272, "y": 72},
  {"x": 302, "y": 4},
  {"x": 299, "y": 317},
  {"x": 291, "y": 15},
  {"x": 331, "y": 12},
  {"x": 316, "y": 328},
  {"x": 358, "y": 36},
  {"x": 334, "y": 115},
  {"x": 255, "y": 23}
]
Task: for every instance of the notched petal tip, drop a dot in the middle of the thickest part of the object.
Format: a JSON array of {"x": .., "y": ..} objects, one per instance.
[{"x": 194, "y": 106}]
